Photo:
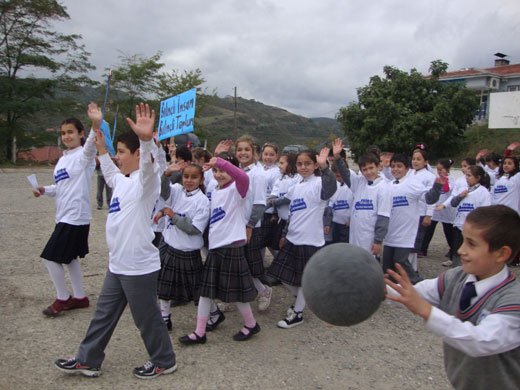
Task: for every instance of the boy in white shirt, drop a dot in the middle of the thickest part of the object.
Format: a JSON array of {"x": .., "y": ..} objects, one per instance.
[{"x": 134, "y": 262}]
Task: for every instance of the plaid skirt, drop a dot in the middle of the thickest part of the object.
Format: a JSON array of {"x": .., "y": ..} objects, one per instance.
[
  {"x": 226, "y": 276},
  {"x": 291, "y": 260},
  {"x": 277, "y": 233},
  {"x": 180, "y": 274},
  {"x": 267, "y": 229},
  {"x": 67, "y": 242},
  {"x": 253, "y": 253}
]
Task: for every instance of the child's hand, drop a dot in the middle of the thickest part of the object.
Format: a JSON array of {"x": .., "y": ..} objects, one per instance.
[
  {"x": 408, "y": 296},
  {"x": 210, "y": 164},
  {"x": 168, "y": 212},
  {"x": 376, "y": 248},
  {"x": 95, "y": 114},
  {"x": 427, "y": 221},
  {"x": 463, "y": 194},
  {"x": 337, "y": 147},
  {"x": 175, "y": 167},
  {"x": 322, "y": 158},
  {"x": 326, "y": 230},
  {"x": 158, "y": 216},
  {"x": 513, "y": 146},
  {"x": 440, "y": 207},
  {"x": 99, "y": 140},
  {"x": 144, "y": 122},
  {"x": 385, "y": 159},
  {"x": 481, "y": 154},
  {"x": 223, "y": 146},
  {"x": 38, "y": 191},
  {"x": 282, "y": 241},
  {"x": 249, "y": 232},
  {"x": 347, "y": 224}
]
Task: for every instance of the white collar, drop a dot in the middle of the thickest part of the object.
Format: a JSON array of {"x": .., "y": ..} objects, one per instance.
[
  {"x": 484, "y": 285},
  {"x": 188, "y": 193}
]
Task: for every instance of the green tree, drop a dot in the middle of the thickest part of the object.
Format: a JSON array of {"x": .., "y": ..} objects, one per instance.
[
  {"x": 28, "y": 44},
  {"x": 402, "y": 108}
]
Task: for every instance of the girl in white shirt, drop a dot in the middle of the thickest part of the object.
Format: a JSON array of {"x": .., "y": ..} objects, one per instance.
[
  {"x": 507, "y": 185},
  {"x": 272, "y": 174},
  {"x": 187, "y": 212},
  {"x": 309, "y": 197},
  {"x": 73, "y": 177}
]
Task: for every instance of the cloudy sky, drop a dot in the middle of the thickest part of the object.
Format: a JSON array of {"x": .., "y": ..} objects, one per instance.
[{"x": 305, "y": 56}]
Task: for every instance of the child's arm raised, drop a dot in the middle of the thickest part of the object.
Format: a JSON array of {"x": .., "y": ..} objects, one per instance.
[
  {"x": 108, "y": 168},
  {"x": 344, "y": 172},
  {"x": 240, "y": 177},
  {"x": 89, "y": 149},
  {"x": 328, "y": 180}
]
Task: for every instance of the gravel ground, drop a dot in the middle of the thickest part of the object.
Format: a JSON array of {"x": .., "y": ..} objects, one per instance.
[{"x": 392, "y": 349}]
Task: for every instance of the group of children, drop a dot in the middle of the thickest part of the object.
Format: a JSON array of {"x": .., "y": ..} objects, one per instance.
[{"x": 231, "y": 208}]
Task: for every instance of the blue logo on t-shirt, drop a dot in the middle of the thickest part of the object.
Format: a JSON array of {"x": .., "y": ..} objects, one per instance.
[
  {"x": 297, "y": 204},
  {"x": 364, "y": 204},
  {"x": 61, "y": 174},
  {"x": 208, "y": 194},
  {"x": 170, "y": 221},
  {"x": 216, "y": 215},
  {"x": 340, "y": 205},
  {"x": 500, "y": 189},
  {"x": 466, "y": 207},
  {"x": 114, "y": 206},
  {"x": 399, "y": 201}
]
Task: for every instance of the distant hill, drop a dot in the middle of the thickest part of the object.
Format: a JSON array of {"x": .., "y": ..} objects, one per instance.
[{"x": 263, "y": 122}]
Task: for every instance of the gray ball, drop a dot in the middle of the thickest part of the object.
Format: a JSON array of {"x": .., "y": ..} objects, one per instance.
[{"x": 343, "y": 284}]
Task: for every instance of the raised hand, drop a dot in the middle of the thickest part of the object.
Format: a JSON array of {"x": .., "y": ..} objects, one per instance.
[
  {"x": 481, "y": 154},
  {"x": 322, "y": 158},
  {"x": 513, "y": 146},
  {"x": 223, "y": 146},
  {"x": 95, "y": 114},
  {"x": 175, "y": 167},
  {"x": 144, "y": 122},
  {"x": 337, "y": 147},
  {"x": 210, "y": 164},
  {"x": 99, "y": 140}
]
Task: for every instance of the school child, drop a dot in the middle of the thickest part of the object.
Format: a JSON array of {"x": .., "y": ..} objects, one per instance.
[
  {"x": 255, "y": 207},
  {"x": 226, "y": 274},
  {"x": 187, "y": 212},
  {"x": 201, "y": 156},
  {"x": 477, "y": 195},
  {"x": 73, "y": 178},
  {"x": 474, "y": 308},
  {"x": 133, "y": 263},
  {"x": 272, "y": 173},
  {"x": 490, "y": 161},
  {"x": 445, "y": 216},
  {"x": 304, "y": 232},
  {"x": 341, "y": 206},
  {"x": 405, "y": 193},
  {"x": 507, "y": 185},
  {"x": 372, "y": 203}
]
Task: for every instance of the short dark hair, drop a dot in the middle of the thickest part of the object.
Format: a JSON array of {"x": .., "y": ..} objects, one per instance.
[
  {"x": 494, "y": 157},
  {"x": 368, "y": 158},
  {"x": 183, "y": 152},
  {"x": 500, "y": 226},
  {"x": 470, "y": 160},
  {"x": 402, "y": 159},
  {"x": 130, "y": 140}
]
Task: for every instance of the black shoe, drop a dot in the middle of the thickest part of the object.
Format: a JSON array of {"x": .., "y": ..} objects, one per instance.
[
  {"x": 168, "y": 322},
  {"x": 187, "y": 341},
  {"x": 243, "y": 337},
  {"x": 150, "y": 370},
  {"x": 293, "y": 319},
  {"x": 213, "y": 326},
  {"x": 72, "y": 366}
]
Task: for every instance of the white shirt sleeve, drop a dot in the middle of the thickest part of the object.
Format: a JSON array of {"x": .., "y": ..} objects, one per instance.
[
  {"x": 50, "y": 190},
  {"x": 148, "y": 167},
  {"x": 109, "y": 169},
  {"x": 89, "y": 149}
]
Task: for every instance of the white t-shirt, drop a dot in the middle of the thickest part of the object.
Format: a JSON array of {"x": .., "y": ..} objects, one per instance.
[
  {"x": 369, "y": 202},
  {"x": 272, "y": 173},
  {"x": 210, "y": 187},
  {"x": 427, "y": 178},
  {"x": 280, "y": 188},
  {"x": 73, "y": 177},
  {"x": 306, "y": 211},
  {"x": 506, "y": 191},
  {"x": 128, "y": 231},
  {"x": 447, "y": 214},
  {"x": 194, "y": 205},
  {"x": 476, "y": 198},
  {"x": 341, "y": 204},
  {"x": 256, "y": 190}
]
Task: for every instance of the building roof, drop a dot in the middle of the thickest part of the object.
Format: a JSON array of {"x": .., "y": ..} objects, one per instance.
[{"x": 505, "y": 70}]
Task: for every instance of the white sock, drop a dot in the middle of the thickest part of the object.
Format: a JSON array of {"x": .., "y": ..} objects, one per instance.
[
  {"x": 292, "y": 289},
  {"x": 300, "y": 301},
  {"x": 75, "y": 279},
  {"x": 165, "y": 307},
  {"x": 57, "y": 274},
  {"x": 259, "y": 285},
  {"x": 412, "y": 258}
]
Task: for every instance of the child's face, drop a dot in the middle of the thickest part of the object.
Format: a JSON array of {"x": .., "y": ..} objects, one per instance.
[
  {"x": 192, "y": 178},
  {"x": 471, "y": 180},
  {"x": 127, "y": 161},
  {"x": 464, "y": 167},
  {"x": 370, "y": 171},
  {"x": 491, "y": 164},
  {"x": 244, "y": 153},
  {"x": 508, "y": 166},
  {"x": 305, "y": 165},
  {"x": 282, "y": 165},
  {"x": 221, "y": 177},
  {"x": 269, "y": 156},
  {"x": 70, "y": 136},
  {"x": 441, "y": 170},
  {"x": 418, "y": 161},
  {"x": 339, "y": 179},
  {"x": 476, "y": 258},
  {"x": 399, "y": 170}
]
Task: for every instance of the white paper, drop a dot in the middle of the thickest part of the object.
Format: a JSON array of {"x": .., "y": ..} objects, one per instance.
[{"x": 32, "y": 180}]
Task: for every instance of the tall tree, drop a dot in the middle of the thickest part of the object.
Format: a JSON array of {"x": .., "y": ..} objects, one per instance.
[
  {"x": 28, "y": 44},
  {"x": 402, "y": 108}
]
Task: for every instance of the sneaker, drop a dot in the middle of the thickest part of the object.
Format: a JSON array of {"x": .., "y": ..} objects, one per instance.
[
  {"x": 150, "y": 370},
  {"x": 78, "y": 303},
  {"x": 447, "y": 263},
  {"x": 57, "y": 307},
  {"x": 213, "y": 325},
  {"x": 290, "y": 311},
  {"x": 241, "y": 336},
  {"x": 296, "y": 318},
  {"x": 264, "y": 299},
  {"x": 72, "y": 366},
  {"x": 226, "y": 307},
  {"x": 99, "y": 207}
]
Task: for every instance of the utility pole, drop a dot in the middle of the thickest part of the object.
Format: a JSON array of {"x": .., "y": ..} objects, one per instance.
[{"x": 235, "y": 136}]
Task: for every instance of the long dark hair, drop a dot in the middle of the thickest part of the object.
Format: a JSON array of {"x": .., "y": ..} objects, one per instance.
[
  {"x": 514, "y": 171},
  {"x": 291, "y": 163},
  {"x": 77, "y": 124},
  {"x": 312, "y": 155},
  {"x": 477, "y": 170}
]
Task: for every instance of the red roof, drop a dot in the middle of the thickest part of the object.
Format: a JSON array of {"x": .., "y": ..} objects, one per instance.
[{"x": 498, "y": 70}]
